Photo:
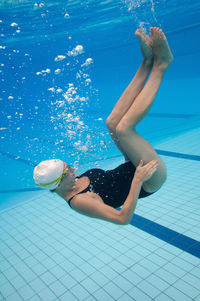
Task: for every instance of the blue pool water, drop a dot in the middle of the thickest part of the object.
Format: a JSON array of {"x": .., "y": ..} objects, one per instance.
[{"x": 55, "y": 98}]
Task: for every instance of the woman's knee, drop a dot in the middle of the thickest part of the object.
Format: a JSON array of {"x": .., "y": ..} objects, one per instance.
[
  {"x": 111, "y": 123},
  {"x": 122, "y": 129}
]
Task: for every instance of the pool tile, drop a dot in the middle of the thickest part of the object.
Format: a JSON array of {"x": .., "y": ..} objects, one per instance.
[
  {"x": 176, "y": 294},
  {"x": 132, "y": 277},
  {"x": 103, "y": 295},
  {"x": 113, "y": 290},
  {"x": 90, "y": 298},
  {"x": 99, "y": 278},
  {"x": 140, "y": 271},
  {"x": 123, "y": 283},
  {"x": 38, "y": 269},
  {"x": 58, "y": 288},
  {"x": 48, "y": 278},
  {"x": 26, "y": 292},
  {"x": 125, "y": 297},
  {"x": 87, "y": 269},
  {"x": 14, "y": 297},
  {"x": 37, "y": 284},
  {"x": 90, "y": 285},
  {"x": 57, "y": 271},
  {"x": 138, "y": 294},
  {"x": 7, "y": 289},
  {"x": 166, "y": 276},
  {"x": 148, "y": 289},
  {"x": 47, "y": 294},
  {"x": 187, "y": 289},
  {"x": 18, "y": 282},
  {"x": 108, "y": 272},
  {"x": 68, "y": 281},
  {"x": 175, "y": 270},
  {"x": 157, "y": 282},
  {"x": 192, "y": 280},
  {"x": 163, "y": 297},
  {"x": 79, "y": 292}
]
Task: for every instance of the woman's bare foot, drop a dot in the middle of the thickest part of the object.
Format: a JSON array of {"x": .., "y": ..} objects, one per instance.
[
  {"x": 145, "y": 44},
  {"x": 161, "y": 51}
]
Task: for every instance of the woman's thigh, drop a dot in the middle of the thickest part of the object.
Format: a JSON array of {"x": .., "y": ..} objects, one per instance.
[{"x": 137, "y": 148}]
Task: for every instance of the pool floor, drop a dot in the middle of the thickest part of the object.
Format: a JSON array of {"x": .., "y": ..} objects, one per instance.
[{"x": 49, "y": 252}]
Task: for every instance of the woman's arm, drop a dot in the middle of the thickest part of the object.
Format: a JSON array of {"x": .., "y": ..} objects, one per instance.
[
  {"x": 87, "y": 205},
  {"x": 129, "y": 205}
]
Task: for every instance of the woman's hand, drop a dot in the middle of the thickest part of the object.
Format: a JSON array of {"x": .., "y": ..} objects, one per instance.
[{"x": 144, "y": 173}]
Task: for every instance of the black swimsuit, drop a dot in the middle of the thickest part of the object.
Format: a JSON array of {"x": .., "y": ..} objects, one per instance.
[{"x": 111, "y": 185}]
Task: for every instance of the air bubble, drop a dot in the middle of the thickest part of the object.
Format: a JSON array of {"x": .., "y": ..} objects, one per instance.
[
  {"x": 76, "y": 51},
  {"x": 88, "y": 81},
  {"x": 88, "y": 62},
  {"x": 57, "y": 71},
  {"x": 51, "y": 89},
  {"x": 59, "y": 58}
]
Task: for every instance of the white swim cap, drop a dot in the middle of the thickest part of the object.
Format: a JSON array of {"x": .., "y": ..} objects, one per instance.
[{"x": 48, "y": 173}]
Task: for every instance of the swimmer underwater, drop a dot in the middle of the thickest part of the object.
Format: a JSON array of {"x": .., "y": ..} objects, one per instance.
[{"x": 96, "y": 193}]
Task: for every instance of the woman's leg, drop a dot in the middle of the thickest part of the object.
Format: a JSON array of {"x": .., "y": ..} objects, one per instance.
[
  {"x": 133, "y": 144},
  {"x": 134, "y": 88}
]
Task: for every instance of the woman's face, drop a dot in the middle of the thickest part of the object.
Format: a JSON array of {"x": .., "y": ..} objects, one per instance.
[{"x": 68, "y": 179}]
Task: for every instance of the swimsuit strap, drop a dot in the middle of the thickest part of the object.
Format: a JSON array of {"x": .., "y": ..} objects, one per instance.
[{"x": 69, "y": 201}]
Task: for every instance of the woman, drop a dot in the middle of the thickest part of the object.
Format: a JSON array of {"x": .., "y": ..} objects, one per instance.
[{"x": 97, "y": 193}]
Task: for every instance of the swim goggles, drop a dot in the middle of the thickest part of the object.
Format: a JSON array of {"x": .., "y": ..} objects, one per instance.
[{"x": 56, "y": 181}]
